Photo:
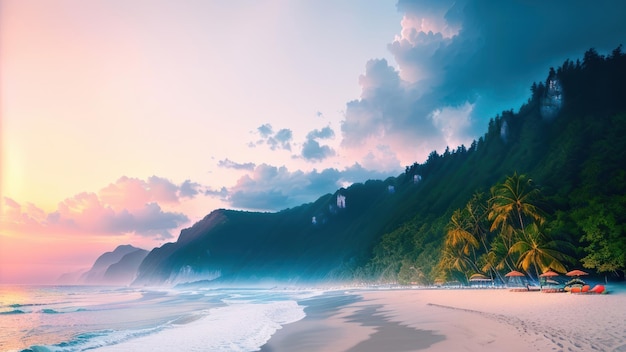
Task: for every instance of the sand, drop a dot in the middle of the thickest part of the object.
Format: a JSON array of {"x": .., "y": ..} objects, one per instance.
[{"x": 457, "y": 320}]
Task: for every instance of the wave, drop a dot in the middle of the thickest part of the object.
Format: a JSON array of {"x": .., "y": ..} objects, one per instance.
[
  {"x": 43, "y": 311},
  {"x": 237, "y": 327},
  {"x": 49, "y": 311},
  {"x": 22, "y": 305},
  {"x": 93, "y": 340},
  {"x": 198, "y": 319}
]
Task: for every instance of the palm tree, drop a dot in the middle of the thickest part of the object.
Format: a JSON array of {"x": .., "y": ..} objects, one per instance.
[
  {"x": 459, "y": 251},
  {"x": 457, "y": 233},
  {"x": 476, "y": 213},
  {"x": 513, "y": 201},
  {"x": 511, "y": 205},
  {"x": 537, "y": 250},
  {"x": 453, "y": 259},
  {"x": 498, "y": 257}
]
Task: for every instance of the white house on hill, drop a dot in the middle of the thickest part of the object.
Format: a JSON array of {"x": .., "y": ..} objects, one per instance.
[{"x": 341, "y": 201}]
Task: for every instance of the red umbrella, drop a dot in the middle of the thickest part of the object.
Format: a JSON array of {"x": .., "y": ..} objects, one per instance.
[
  {"x": 514, "y": 273},
  {"x": 549, "y": 273},
  {"x": 576, "y": 273}
]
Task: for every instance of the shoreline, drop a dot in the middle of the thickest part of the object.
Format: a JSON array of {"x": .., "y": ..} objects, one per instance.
[{"x": 452, "y": 320}]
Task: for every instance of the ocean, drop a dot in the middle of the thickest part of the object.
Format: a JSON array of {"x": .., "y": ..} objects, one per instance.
[{"x": 80, "y": 318}]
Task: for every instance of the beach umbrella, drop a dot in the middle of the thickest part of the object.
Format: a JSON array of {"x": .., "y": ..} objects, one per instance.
[
  {"x": 576, "y": 280},
  {"x": 549, "y": 273},
  {"x": 576, "y": 273},
  {"x": 516, "y": 278},
  {"x": 515, "y": 273}
]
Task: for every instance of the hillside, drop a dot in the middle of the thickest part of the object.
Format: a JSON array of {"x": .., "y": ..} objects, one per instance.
[
  {"x": 118, "y": 267},
  {"x": 568, "y": 138}
]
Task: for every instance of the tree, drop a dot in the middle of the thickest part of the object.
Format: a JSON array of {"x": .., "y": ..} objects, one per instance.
[
  {"x": 603, "y": 223},
  {"x": 476, "y": 211},
  {"x": 454, "y": 260},
  {"x": 459, "y": 252},
  {"x": 511, "y": 207},
  {"x": 457, "y": 234},
  {"x": 513, "y": 201},
  {"x": 537, "y": 250}
]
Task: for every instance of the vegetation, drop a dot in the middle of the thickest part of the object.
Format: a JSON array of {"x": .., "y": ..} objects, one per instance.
[
  {"x": 556, "y": 175},
  {"x": 545, "y": 187}
]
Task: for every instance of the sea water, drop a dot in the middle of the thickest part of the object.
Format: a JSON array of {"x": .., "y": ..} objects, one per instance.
[{"x": 79, "y": 318}]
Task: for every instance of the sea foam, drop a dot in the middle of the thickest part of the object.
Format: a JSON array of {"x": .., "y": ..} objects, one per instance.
[{"x": 236, "y": 327}]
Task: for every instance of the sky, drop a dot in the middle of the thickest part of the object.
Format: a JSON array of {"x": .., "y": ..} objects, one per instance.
[{"x": 123, "y": 122}]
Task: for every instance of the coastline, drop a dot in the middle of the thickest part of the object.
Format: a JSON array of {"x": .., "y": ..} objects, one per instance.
[{"x": 457, "y": 319}]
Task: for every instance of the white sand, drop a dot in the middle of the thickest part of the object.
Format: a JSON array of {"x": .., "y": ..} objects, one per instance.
[
  {"x": 480, "y": 320},
  {"x": 499, "y": 320}
]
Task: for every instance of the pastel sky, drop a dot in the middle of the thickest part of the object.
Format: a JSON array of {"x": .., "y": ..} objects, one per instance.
[{"x": 125, "y": 121}]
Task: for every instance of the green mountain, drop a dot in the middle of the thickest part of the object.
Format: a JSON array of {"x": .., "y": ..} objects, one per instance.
[{"x": 568, "y": 139}]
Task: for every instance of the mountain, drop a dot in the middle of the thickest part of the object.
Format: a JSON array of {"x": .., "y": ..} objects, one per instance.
[
  {"x": 117, "y": 267},
  {"x": 70, "y": 278},
  {"x": 317, "y": 241},
  {"x": 124, "y": 271},
  {"x": 568, "y": 138}
]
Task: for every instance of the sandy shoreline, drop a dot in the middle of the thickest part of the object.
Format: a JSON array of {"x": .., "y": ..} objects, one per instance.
[{"x": 457, "y": 320}]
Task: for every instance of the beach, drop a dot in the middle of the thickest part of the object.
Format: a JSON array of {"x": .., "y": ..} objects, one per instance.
[
  {"x": 457, "y": 320},
  {"x": 73, "y": 318}
]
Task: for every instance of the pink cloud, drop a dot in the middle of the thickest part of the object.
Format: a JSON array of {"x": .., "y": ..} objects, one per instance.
[{"x": 127, "y": 206}]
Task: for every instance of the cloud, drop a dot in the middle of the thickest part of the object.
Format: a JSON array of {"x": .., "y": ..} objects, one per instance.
[
  {"x": 279, "y": 140},
  {"x": 387, "y": 116},
  {"x": 13, "y": 212},
  {"x": 151, "y": 221},
  {"x": 459, "y": 63},
  {"x": 129, "y": 192},
  {"x": 86, "y": 212},
  {"x": 11, "y": 203},
  {"x": 129, "y": 205},
  {"x": 221, "y": 193},
  {"x": 312, "y": 150},
  {"x": 229, "y": 164},
  {"x": 189, "y": 189},
  {"x": 324, "y": 133},
  {"x": 265, "y": 130},
  {"x": 272, "y": 188}
]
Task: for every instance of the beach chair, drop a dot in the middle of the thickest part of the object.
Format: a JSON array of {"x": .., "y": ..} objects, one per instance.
[
  {"x": 598, "y": 289},
  {"x": 579, "y": 289}
]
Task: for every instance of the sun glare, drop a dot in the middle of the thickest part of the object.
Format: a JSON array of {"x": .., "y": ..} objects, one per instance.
[{"x": 11, "y": 173}]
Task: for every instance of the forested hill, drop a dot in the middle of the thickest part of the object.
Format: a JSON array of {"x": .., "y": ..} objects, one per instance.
[{"x": 565, "y": 148}]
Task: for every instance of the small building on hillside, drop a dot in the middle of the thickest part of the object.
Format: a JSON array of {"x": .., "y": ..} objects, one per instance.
[{"x": 341, "y": 201}]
